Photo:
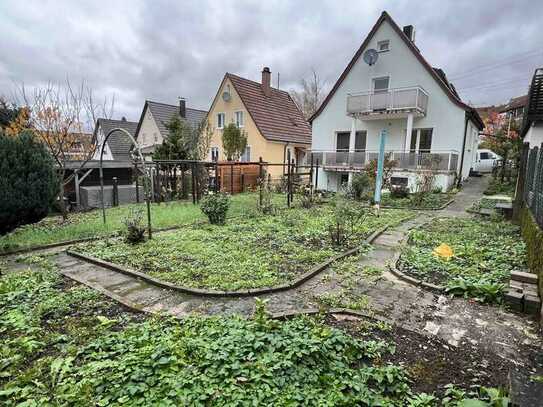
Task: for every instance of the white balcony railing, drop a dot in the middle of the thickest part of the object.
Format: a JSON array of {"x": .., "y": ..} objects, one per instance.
[
  {"x": 357, "y": 160},
  {"x": 400, "y": 100}
]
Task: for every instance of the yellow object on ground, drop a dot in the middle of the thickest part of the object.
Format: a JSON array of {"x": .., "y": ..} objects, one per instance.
[{"x": 444, "y": 251}]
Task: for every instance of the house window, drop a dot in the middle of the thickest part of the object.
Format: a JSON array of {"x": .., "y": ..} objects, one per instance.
[
  {"x": 381, "y": 84},
  {"x": 214, "y": 153},
  {"x": 343, "y": 179},
  {"x": 360, "y": 141},
  {"x": 239, "y": 119},
  {"x": 246, "y": 156},
  {"x": 421, "y": 138},
  {"x": 343, "y": 141},
  {"x": 383, "y": 46},
  {"x": 220, "y": 120}
]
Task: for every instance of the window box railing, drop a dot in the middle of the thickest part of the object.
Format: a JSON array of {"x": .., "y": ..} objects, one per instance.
[{"x": 412, "y": 99}]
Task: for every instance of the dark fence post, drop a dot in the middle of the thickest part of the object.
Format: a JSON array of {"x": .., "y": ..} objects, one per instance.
[
  {"x": 538, "y": 187},
  {"x": 311, "y": 175},
  {"x": 242, "y": 181},
  {"x": 288, "y": 178},
  {"x": 260, "y": 180},
  {"x": 231, "y": 179},
  {"x": 158, "y": 185},
  {"x": 317, "y": 175},
  {"x": 292, "y": 176},
  {"x": 519, "y": 191},
  {"x": 193, "y": 183},
  {"x": 137, "y": 184},
  {"x": 217, "y": 185},
  {"x": 115, "y": 192}
]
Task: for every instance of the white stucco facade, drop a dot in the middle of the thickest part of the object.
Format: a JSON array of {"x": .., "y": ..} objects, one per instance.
[
  {"x": 404, "y": 70},
  {"x": 534, "y": 135}
]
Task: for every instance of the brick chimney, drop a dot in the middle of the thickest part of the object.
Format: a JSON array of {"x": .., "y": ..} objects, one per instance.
[
  {"x": 182, "y": 108},
  {"x": 266, "y": 81}
]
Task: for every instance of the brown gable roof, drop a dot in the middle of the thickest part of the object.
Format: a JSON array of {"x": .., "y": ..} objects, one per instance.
[
  {"x": 515, "y": 103},
  {"x": 472, "y": 113},
  {"x": 277, "y": 117}
]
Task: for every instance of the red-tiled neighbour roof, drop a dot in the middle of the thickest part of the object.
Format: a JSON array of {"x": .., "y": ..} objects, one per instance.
[
  {"x": 450, "y": 92},
  {"x": 276, "y": 116}
]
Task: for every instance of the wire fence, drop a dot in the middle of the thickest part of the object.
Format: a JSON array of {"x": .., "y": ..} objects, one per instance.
[{"x": 531, "y": 181}]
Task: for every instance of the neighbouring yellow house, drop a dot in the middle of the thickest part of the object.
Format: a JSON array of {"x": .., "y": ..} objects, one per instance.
[{"x": 275, "y": 127}]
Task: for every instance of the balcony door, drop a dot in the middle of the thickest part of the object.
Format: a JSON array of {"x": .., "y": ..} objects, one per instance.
[
  {"x": 421, "y": 138},
  {"x": 380, "y": 87},
  {"x": 343, "y": 143}
]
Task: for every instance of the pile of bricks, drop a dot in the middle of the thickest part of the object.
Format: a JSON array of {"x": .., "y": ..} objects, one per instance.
[{"x": 523, "y": 294}]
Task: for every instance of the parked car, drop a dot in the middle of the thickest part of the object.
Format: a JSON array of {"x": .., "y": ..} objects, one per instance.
[{"x": 486, "y": 160}]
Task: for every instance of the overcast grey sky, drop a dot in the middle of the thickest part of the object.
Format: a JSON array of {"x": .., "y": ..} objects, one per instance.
[{"x": 160, "y": 50}]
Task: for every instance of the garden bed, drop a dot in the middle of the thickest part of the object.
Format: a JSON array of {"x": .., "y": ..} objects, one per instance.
[
  {"x": 53, "y": 230},
  {"x": 428, "y": 201},
  {"x": 245, "y": 253},
  {"x": 484, "y": 253},
  {"x": 64, "y": 344},
  {"x": 432, "y": 364}
]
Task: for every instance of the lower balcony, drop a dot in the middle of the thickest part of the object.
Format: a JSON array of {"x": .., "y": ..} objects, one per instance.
[{"x": 357, "y": 160}]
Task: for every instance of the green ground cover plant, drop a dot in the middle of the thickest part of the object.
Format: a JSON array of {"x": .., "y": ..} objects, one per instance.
[
  {"x": 499, "y": 187},
  {"x": 484, "y": 254},
  {"x": 64, "y": 345},
  {"x": 90, "y": 224},
  {"x": 431, "y": 200},
  {"x": 244, "y": 253}
]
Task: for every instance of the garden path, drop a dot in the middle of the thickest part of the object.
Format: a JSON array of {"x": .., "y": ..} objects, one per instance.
[{"x": 491, "y": 331}]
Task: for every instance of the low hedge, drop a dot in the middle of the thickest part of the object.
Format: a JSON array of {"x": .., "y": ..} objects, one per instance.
[{"x": 533, "y": 237}]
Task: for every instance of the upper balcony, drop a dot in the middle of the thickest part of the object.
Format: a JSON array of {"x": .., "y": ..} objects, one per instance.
[{"x": 388, "y": 104}]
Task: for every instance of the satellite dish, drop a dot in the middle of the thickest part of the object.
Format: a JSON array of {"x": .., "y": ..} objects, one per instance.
[
  {"x": 371, "y": 56},
  {"x": 226, "y": 96}
]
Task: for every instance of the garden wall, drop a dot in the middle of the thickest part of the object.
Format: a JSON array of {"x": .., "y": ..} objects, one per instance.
[{"x": 533, "y": 237}]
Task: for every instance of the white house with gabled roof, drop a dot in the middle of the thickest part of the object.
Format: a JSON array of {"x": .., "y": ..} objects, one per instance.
[{"x": 428, "y": 125}]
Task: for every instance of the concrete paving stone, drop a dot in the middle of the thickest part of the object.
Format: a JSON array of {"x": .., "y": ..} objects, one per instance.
[{"x": 524, "y": 277}]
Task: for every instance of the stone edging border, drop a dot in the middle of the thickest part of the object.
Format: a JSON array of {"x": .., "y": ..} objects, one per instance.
[
  {"x": 393, "y": 268},
  {"x": 214, "y": 293}
]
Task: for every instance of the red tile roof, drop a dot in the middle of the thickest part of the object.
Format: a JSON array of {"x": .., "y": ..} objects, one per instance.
[{"x": 277, "y": 117}]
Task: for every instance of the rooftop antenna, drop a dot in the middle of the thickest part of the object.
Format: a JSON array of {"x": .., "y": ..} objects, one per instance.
[{"x": 277, "y": 80}]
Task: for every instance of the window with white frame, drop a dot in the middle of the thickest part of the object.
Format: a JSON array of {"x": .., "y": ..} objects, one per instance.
[
  {"x": 240, "y": 119},
  {"x": 214, "y": 153},
  {"x": 381, "y": 84},
  {"x": 421, "y": 140},
  {"x": 383, "y": 46},
  {"x": 220, "y": 120},
  {"x": 246, "y": 156}
]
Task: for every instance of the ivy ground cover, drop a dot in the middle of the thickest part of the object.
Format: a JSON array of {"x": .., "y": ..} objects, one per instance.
[
  {"x": 430, "y": 200},
  {"x": 484, "y": 252},
  {"x": 90, "y": 224},
  {"x": 248, "y": 252},
  {"x": 65, "y": 345}
]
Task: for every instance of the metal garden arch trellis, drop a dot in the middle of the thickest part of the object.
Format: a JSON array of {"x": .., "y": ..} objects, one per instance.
[{"x": 146, "y": 174}]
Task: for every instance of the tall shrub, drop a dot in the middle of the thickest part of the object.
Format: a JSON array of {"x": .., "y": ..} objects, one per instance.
[{"x": 28, "y": 182}]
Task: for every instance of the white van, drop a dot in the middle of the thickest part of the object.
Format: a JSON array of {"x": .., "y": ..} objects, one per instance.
[{"x": 485, "y": 160}]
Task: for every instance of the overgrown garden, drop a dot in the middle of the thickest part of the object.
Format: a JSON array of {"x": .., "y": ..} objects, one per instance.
[
  {"x": 65, "y": 345},
  {"x": 249, "y": 251},
  {"x": 470, "y": 257}
]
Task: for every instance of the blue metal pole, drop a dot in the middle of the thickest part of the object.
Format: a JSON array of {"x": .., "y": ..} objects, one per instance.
[{"x": 380, "y": 165}]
